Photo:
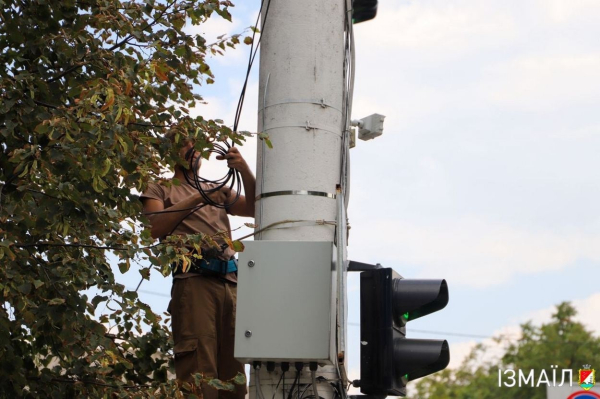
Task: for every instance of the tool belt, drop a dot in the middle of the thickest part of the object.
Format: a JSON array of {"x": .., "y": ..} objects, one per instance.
[{"x": 208, "y": 267}]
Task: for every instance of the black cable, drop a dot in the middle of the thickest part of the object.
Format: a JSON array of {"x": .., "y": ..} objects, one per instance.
[
  {"x": 169, "y": 211},
  {"x": 294, "y": 384},
  {"x": 338, "y": 389},
  {"x": 252, "y": 55},
  {"x": 196, "y": 181},
  {"x": 185, "y": 217},
  {"x": 304, "y": 391},
  {"x": 280, "y": 378}
]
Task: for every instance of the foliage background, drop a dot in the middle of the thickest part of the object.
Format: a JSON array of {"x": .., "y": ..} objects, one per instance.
[
  {"x": 87, "y": 92},
  {"x": 562, "y": 342}
]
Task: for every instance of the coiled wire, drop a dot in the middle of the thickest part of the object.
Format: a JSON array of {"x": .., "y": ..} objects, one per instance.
[{"x": 232, "y": 178}]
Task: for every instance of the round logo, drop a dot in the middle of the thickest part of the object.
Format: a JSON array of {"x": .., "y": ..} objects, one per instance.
[{"x": 584, "y": 395}]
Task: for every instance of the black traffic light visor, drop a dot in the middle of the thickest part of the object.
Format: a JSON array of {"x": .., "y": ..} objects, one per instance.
[
  {"x": 418, "y": 298},
  {"x": 417, "y": 358},
  {"x": 363, "y": 10}
]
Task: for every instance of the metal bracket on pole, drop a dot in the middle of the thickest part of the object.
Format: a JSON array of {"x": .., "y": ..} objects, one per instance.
[
  {"x": 295, "y": 192},
  {"x": 321, "y": 102},
  {"x": 308, "y": 127},
  {"x": 354, "y": 266}
]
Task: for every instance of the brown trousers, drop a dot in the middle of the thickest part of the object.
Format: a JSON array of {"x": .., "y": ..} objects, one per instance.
[{"x": 203, "y": 323}]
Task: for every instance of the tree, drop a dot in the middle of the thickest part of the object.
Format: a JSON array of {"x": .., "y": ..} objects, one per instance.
[
  {"x": 562, "y": 342},
  {"x": 88, "y": 89}
]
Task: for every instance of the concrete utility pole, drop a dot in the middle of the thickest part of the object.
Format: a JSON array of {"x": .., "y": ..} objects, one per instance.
[{"x": 301, "y": 109}]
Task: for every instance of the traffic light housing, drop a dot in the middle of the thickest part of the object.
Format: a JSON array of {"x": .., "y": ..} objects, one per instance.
[
  {"x": 388, "y": 360},
  {"x": 363, "y": 10}
]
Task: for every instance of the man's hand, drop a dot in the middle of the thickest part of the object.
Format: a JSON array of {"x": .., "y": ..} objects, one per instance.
[
  {"x": 234, "y": 159},
  {"x": 221, "y": 196},
  {"x": 244, "y": 206}
]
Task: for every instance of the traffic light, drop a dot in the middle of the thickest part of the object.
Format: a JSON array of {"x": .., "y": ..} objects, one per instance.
[
  {"x": 388, "y": 360},
  {"x": 363, "y": 10}
]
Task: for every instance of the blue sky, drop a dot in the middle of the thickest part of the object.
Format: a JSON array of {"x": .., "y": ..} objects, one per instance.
[{"x": 487, "y": 172}]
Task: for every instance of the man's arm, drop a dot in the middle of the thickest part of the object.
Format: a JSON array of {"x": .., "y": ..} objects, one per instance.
[
  {"x": 164, "y": 221},
  {"x": 244, "y": 206}
]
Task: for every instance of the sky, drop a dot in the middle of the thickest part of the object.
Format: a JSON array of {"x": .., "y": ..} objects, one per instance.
[{"x": 486, "y": 174}]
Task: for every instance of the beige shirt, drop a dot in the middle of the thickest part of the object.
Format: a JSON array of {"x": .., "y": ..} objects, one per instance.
[{"x": 208, "y": 220}]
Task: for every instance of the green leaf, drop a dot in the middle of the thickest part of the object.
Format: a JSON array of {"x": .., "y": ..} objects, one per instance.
[
  {"x": 42, "y": 128},
  {"x": 247, "y": 40},
  {"x": 145, "y": 272},
  {"x": 105, "y": 167},
  {"x": 56, "y": 301},
  {"x": 221, "y": 385},
  {"x": 97, "y": 299},
  {"x": 24, "y": 288},
  {"x": 198, "y": 377},
  {"x": 264, "y": 136},
  {"x": 124, "y": 266},
  {"x": 239, "y": 379},
  {"x": 238, "y": 246}
]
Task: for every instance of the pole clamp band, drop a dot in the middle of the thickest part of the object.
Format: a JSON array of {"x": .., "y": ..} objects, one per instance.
[{"x": 295, "y": 192}]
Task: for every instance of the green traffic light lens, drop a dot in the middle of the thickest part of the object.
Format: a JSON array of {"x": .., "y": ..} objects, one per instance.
[{"x": 405, "y": 315}]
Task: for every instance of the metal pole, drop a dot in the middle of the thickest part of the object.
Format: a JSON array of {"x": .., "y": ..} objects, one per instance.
[{"x": 301, "y": 109}]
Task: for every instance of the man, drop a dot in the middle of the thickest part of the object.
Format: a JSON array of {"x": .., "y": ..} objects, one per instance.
[{"x": 202, "y": 299}]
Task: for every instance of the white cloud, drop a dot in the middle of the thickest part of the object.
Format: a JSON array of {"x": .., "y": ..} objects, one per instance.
[
  {"x": 466, "y": 58},
  {"x": 537, "y": 82},
  {"x": 472, "y": 251},
  {"x": 440, "y": 25},
  {"x": 564, "y": 11},
  {"x": 585, "y": 307}
]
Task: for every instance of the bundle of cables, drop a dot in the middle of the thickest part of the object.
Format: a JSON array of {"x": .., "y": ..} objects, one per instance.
[{"x": 195, "y": 180}]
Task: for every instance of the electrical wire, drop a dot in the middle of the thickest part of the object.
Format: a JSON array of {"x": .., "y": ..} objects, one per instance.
[
  {"x": 252, "y": 55},
  {"x": 207, "y": 186},
  {"x": 279, "y": 382},
  {"x": 296, "y": 380},
  {"x": 193, "y": 209},
  {"x": 313, "y": 376},
  {"x": 185, "y": 217},
  {"x": 169, "y": 211},
  {"x": 258, "y": 388},
  {"x": 348, "y": 76}
]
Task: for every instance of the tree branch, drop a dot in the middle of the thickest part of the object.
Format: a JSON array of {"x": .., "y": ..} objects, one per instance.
[
  {"x": 90, "y": 382},
  {"x": 51, "y": 244},
  {"x": 117, "y": 45}
]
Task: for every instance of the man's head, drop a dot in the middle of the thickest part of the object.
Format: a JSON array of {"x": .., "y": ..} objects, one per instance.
[{"x": 185, "y": 149}]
